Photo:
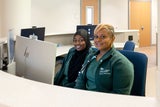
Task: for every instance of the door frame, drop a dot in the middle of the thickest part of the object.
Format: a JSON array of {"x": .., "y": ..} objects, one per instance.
[{"x": 96, "y": 7}]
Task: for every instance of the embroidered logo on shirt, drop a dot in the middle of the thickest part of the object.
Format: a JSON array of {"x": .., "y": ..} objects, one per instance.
[{"x": 104, "y": 71}]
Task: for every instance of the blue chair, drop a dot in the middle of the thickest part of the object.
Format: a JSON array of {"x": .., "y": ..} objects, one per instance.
[
  {"x": 140, "y": 62},
  {"x": 129, "y": 45}
]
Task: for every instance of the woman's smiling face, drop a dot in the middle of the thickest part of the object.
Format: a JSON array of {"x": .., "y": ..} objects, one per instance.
[
  {"x": 103, "y": 40},
  {"x": 79, "y": 43}
]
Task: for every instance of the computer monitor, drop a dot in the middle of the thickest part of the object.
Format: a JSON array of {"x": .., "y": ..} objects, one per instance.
[
  {"x": 89, "y": 28},
  {"x": 39, "y": 32},
  {"x": 35, "y": 59}
]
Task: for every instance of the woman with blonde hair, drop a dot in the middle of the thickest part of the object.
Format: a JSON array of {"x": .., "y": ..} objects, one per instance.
[{"x": 106, "y": 70}]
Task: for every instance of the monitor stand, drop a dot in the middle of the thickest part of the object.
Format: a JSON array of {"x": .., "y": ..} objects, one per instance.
[{"x": 12, "y": 68}]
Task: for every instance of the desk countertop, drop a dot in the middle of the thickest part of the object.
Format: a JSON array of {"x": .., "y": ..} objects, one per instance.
[
  {"x": 3, "y": 40},
  {"x": 125, "y": 31},
  {"x": 116, "y": 31},
  {"x": 19, "y": 92},
  {"x": 62, "y": 50}
]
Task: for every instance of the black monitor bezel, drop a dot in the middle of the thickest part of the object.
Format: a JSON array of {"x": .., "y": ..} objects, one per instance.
[
  {"x": 89, "y": 28},
  {"x": 39, "y": 32}
]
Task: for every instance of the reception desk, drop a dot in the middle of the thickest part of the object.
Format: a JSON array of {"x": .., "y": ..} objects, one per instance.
[
  {"x": 121, "y": 36},
  {"x": 62, "y": 50},
  {"x": 20, "y": 92}
]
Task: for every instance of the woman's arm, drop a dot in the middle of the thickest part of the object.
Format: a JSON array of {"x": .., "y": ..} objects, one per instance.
[{"x": 123, "y": 75}]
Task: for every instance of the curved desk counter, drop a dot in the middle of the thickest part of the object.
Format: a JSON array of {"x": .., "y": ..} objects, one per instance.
[
  {"x": 121, "y": 36},
  {"x": 62, "y": 50},
  {"x": 20, "y": 92}
]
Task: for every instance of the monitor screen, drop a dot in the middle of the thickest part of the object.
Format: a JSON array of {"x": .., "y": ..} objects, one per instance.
[
  {"x": 39, "y": 32},
  {"x": 89, "y": 28}
]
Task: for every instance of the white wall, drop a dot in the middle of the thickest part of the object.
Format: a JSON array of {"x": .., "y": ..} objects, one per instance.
[
  {"x": 154, "y": 21},
  {"x": 62, "y": 16},
  {"x": 158, "y": 32},
  {"x": 15, "y": 15},
  {"x": 58, "y": 16},
  {"x": 115, "y": 12},
  {"x": 0, "y": 18},
  {"x": 158, "y": 51}
]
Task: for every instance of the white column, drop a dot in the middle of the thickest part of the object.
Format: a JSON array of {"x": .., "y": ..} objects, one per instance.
[
  {"x": 154, "y": 20},
  {"x": 158, "y": 51}
]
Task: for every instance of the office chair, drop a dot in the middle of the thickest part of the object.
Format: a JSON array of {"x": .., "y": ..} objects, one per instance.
[
  {"x": 140, "y": 62},
  {"x": 129, "y": 45},
  {"x": 59, "y": 62}
]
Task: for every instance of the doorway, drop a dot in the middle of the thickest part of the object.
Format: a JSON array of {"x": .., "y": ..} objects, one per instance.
[
  {"x": 140, "y": 18},
  {"x": 90, "y": 11}
]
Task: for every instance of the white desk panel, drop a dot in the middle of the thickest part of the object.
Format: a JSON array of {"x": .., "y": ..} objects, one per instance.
[
  {"x": 62, "y": 50},
  {"x": 19, "y": 92}
]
